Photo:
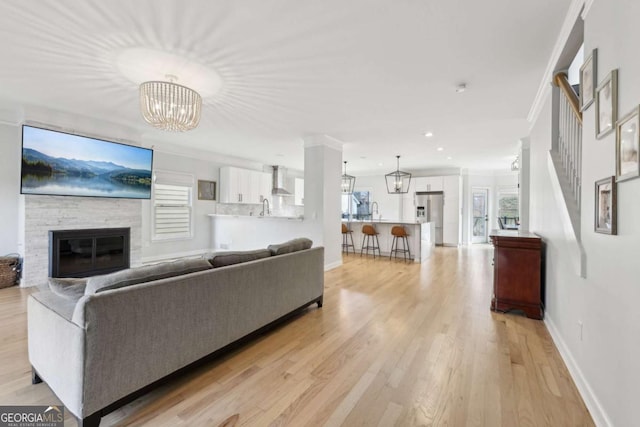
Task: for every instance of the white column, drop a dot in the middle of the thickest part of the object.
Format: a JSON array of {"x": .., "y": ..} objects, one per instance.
[
  {"x": 322, "y": 203},
  {"x": 524, "y": 174}
]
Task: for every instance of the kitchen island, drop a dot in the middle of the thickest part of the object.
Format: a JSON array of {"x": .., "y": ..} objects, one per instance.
[
  {"x": 421, "y": 236},
  {"x": 246, "y": 232}
]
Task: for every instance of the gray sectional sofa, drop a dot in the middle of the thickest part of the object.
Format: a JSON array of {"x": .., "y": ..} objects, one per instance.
[{"x": 100, "y": 344}]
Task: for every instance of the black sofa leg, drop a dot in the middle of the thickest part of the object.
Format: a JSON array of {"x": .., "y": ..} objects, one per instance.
[
  {"x": 90, "y": 421},
  {"x": 35, "y": 378},
  {"x": 320, "y": 301}
]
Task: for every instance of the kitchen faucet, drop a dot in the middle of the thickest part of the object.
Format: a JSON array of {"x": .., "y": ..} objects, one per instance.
[
  {"x": 374, "y": 210},
  {"x": 263, "y": 210}
]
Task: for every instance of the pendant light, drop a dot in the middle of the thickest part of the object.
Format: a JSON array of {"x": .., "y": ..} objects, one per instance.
[
  {"x": 348, "y": 181},
  {"x": 398, "y": 181}
]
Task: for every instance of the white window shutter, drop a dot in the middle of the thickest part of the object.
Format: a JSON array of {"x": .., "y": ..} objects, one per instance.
[{"x": 171, "y": 210}]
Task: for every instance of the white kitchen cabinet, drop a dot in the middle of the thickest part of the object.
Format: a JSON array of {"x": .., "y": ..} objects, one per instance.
[
  {"x": 434, "y": 183},
  {"x": 260, "y": 188},
  {"x": 265, "y": 187},
  {"x": 452, "y": 212},
  {"x": 243, "y": 185},
  {"x": 420, "y": 184},
  {"x": 298, "y": 188},
  {"x": 230, "y": 186},
  {"x": 408, "y": 207}
]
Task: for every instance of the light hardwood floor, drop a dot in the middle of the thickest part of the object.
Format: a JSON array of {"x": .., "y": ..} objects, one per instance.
[{"x": 395, "y": 344}]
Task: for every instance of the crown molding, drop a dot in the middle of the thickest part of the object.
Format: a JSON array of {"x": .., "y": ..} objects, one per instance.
[
  {"x": 316, "y": 140},
  {"x": 11, "y": 117},
  {"x": 489, "y": 172},
  {"x": 587, "y": 8},
  {"x": 9, "y": 123}
]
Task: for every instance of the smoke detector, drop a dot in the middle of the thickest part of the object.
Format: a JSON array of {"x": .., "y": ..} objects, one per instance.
[{"x": 461, "y": 87}]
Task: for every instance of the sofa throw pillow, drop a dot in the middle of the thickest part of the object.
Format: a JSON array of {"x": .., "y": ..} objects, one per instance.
[
  {"x": 68, "y": 288},
  {"x": 147, "y": 273},
  {"x": 294, "y": 245},
  {"x": 221, "y": 259}
]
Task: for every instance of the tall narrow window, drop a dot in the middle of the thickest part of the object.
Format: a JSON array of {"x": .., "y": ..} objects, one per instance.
[{"x": 172, "y": 206}]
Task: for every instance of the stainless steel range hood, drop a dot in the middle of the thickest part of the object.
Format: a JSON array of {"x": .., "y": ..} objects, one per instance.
[{"x": 278, "y": 188}]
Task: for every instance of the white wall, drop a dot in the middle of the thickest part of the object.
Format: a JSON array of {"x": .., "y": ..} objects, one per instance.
[
  {"x": 604, "y": 360},
  {"x": 10, "y": 138}
]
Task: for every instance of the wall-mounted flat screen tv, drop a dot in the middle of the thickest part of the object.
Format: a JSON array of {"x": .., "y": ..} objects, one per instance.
[{"x": 62, "y": 164}]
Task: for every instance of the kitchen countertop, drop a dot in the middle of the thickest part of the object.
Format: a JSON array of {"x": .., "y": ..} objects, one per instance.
[
  {"x": 298, "y": 218},
  {"x": 384, "y": 221}
]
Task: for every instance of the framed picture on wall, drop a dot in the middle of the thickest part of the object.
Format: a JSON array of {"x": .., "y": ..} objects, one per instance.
[
  {"x": 588, "y": 80},
  {"x": 628, "y": 146},
  {"x": 605, "y": 209},
  {"x": 607, "y": 105},
  {"x": 206, "y": 190}
]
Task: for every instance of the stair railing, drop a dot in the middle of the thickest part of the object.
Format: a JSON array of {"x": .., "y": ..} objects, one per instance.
[{"x": 570, "y": 135}]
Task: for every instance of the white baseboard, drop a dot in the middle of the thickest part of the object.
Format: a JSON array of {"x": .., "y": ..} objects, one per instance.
[
  {"x": 598, "y": 413},
  {"x": 332, "y": 265}
]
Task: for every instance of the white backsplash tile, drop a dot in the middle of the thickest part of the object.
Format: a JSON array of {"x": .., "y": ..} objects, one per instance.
[{"x": 278, "y": 208}]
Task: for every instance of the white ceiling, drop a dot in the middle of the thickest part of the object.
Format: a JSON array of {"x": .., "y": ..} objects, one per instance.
[{"x": 375, "y": 74}]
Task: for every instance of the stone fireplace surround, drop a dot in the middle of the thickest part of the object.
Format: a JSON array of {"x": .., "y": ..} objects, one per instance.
[{"x": 44, "y": 213}]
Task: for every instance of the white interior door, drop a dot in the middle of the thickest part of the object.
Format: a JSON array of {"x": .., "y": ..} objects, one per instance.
[{"x": 480, "y": 224}]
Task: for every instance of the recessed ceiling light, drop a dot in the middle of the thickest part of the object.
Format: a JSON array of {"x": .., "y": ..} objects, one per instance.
[
  {"x": 461, "y": 87},
  {"x": 379, "y": 164},
  {"x": 428, "y": 134},
  {"x": 449, "y": 158},
  {"x": 440, "y": 148}
]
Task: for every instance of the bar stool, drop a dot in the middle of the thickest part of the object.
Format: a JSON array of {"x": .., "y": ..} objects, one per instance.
[
  {"x": 346, "y": 233},
  {"x": 371, "y": 235},
  {"x": 398, "y": 232}
]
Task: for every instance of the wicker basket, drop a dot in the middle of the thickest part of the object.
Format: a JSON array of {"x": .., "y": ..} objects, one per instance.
[{"x": 9, "y": 271}]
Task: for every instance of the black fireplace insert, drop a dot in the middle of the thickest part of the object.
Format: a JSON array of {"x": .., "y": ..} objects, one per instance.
[{"x": 88, "y": 252}]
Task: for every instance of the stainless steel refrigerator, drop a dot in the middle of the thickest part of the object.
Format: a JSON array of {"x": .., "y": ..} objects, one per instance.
[{"x": 429, "y": 206}]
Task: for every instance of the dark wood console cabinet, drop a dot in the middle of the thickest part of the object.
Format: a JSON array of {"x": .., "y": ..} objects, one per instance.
[{"x": 517, "y": 265}]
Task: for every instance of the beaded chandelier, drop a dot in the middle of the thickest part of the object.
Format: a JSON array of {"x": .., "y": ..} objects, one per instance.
[{"x": 170, "y": 106}]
